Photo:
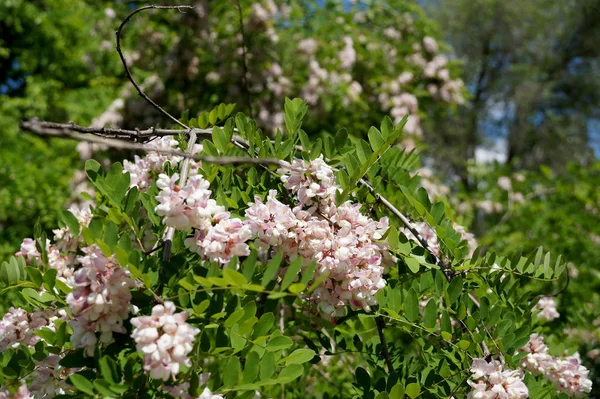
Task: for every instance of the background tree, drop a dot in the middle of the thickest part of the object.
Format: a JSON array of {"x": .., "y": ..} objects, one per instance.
[{"x": 531, "y": 70}]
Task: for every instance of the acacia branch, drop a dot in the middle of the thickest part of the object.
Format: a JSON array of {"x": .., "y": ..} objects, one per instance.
[
  {"x": 123, "y": 145},
  {"x": 126, "y": 67},
  {"x": 384, "y": 348}
]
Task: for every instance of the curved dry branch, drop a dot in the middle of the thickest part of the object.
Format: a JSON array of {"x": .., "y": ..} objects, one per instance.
[{"x": 126, "y": 67}]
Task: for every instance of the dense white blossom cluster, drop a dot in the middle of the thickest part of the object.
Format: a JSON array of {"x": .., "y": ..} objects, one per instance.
[
  {"x": 100, "y": 300},
  {"x": 547, "y": 305},
  {"x": 493, "y": 381},
  {"x": 18, "y": 326},
  {"x": 142, "y": 168},
  {"x": 345, "y": 243},
  {"x": 50, "y": 378},
  {"x": 165, "y": 340},
  {"x": 217, "y": 236},
  {"x": 567, "y": 374}
]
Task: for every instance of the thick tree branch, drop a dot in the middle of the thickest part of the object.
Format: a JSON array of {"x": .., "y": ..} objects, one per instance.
[
  {"x": 123, "y": 145},
  {"x": 126, "y": 67}
]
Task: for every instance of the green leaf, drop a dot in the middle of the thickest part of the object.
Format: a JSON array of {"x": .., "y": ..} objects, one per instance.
[
  {"x": 375, "y": 138},
  {"x": 446, "y": 324},
  {"x": 547, "y": 269},
  {"x": 34, "y": 275},
  {"x": 341, "y": 137},
  {"x": 50, "y": 279},
  {"x": 290, "y": 373},
  {"x": 278, "y": 343},
  {"x": 291, "y": 273},
  {"x": 455, "y": 289},
  {"x": 412, "y": 263},
  {"x": 234, "y": 318},
  {"x": 430, "y": 314},
  {"x": 272, "y": 267},
  {"x": 298, "y": 356},
  {"x": 82, "y": 384},
  {"x": 373, "y": 158},
  {"x": 411, "y": 305},
  {"x": 108, "y": 368},
  {"x": 363, "y": 379},
  {"x": 397, "y": 391},
  {"x": 413, "y": 390},
  {"x": 232, "y": 371},
  {"x": 251, "y": 367},
  {"x": 234, "y": 278},
  {"x": 71, "y": 222},
  {"x": 264, "y": 325},
  {"x": 267, "y": 366}
]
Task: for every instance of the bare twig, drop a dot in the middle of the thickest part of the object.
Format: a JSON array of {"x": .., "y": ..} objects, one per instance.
[
  {"x": 384, "y": 348},
  {"x": 385, "y": 202},
  {"x": 123, "y": 145},
  {"x": 126, "y": 67},
  {"x": 244, "y": 61}
]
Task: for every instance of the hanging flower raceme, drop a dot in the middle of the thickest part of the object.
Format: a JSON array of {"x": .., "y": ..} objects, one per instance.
[
  {"x": 567, "y": 374},
  {"x": 100, "y": 300},
  {"x": 165, "y": 340},
  {"x": 492, "y": 381},
  {"x": 18, "y": 326},
  {"x": 547, "y": 305},
  {"x": 50, "y": 378},
  {"x": 345, "y": 243},
  {"x": 312, "y": 181},
  {"x": 22, "y": 393}
]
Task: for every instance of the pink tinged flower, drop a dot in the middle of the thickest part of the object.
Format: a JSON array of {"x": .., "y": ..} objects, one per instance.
[
  {"x": 22, "y": 393},
  {"x": 164, "y": 339},
  {"x": 430, "y": 44},
  {"x": 226, "y": 239},
  {"x": 567, "y": 374},
  {"x": 273, "y": 222},
  {"x": 311, "y": 181},
  {"x": 547, "y": 305},
  {"x": 100, "y": 300},
  {"x": 29, "y": 250},
  {"x": 141, "y": 169},
  {"x": 493, "y": 381},
  {"x": 186, "y": 207},
  {"x": 504, "y": 183},
  {"x": 50, "y": 378},
  {"x": 17, "y": 327}
]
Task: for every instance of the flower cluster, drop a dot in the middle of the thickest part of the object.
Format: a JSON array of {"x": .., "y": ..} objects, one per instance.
[
  {"x": 180, "y": 391},
  {"x": 141, "y": 169},
  {"x": 217, "y": 236},
  {"x": 547, "y": 305},
  {"x": 22, "y": 393},
  {"x": 50, "y": 378},
  {"x": 17, "y": 327},
  {"x": 567, "y": 374},
  {"x": 61, "y": 254},
  {"x": 100, "y": 300},
  {"x": 495, "y": 382},
  {"x": 313, "y": 182},
  {"x": 164, "y": 339},
  {"x": 345, "y": 243}
]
